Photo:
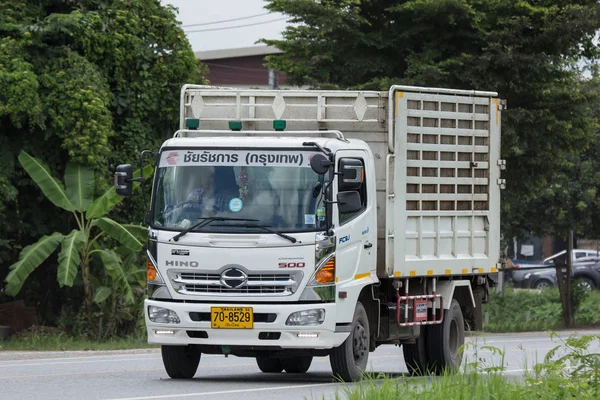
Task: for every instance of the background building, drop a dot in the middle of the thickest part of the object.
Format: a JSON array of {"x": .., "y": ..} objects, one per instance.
[{"x": 243, "y": 67}]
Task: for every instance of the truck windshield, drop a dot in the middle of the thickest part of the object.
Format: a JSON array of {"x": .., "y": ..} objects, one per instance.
[{"x": 278, "y": 189}]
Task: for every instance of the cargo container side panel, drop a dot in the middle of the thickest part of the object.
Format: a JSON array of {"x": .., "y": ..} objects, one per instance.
[{"x": 446, "y": 211}]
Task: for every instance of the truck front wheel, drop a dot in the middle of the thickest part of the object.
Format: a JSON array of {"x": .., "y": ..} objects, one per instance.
[
  {"x": 349, "y": 360},
  {"x": 269, "y": 365},
  {"x": 445, "y": 340},
  {"x": 181, "y": 362},
  {"x": 296, "y": 365}
]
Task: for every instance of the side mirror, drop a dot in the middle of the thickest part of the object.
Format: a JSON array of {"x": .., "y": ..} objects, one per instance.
[
  {"x": 124, "y": 180},
  {"x": 351, "y": 174},
  {"x": 349, "y": 202},
  {"x": 320, "y": 164}
]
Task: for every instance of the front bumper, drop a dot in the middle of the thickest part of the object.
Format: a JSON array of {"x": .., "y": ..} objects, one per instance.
[{"x": 327, "y": 337}]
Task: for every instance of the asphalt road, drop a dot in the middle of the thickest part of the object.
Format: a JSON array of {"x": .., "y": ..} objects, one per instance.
[{"x": 140, "y": 375}]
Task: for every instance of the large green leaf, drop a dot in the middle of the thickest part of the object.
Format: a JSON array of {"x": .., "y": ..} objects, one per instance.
[
  {"x": 140, "y": 232},
  {"x": 113, "y": 265},
  {"x": 51, "y": 187},
  {"x": 119, "y": 232},
  {"x": 132, "y": 269},
  {"x": 29, "y": 259},
  {"x": 102, "y": 294},
  {"x": 103, "y": 204},
  {"x": 79, "y": 181},
  {"x": 70, "y": 257}
]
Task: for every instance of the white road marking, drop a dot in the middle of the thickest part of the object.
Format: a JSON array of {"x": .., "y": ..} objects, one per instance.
[
  {"x": 168, "y": 396},
  {"x": 485, "y": 342},
  {"x": 77, "y": 362},
  {"x": 53, "y": 360},
  {"x": 76, "y": 358}
]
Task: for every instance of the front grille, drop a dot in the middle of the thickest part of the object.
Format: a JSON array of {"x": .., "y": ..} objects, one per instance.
[
  {"x": 257, "y": 284},
  {"x": 244, "y": 290}
]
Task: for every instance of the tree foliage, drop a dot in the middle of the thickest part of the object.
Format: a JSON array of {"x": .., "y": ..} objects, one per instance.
[
  {"x": 530, "y": 52},
  {"x": 90, "y": 81},
  {"x": 82, "y": 243}
]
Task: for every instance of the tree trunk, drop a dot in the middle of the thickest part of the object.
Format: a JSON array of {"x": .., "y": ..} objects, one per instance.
[
  {"x": 87, "y": 287},
  {"x": 565, "y": 286}
]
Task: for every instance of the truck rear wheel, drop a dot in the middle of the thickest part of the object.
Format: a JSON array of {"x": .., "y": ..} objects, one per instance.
[
  {"x": 296, "y": 365},
  {"x": 181, "y": 362},
  {"x": 444, "y": 341},
  {"x": 349, "y": 360},
  {"x": 415, "y": 355},
  {"x": 269, "y": 365}
]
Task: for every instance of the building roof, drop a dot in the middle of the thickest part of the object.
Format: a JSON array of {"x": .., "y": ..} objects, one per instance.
[{"x": 239, "y": 52}]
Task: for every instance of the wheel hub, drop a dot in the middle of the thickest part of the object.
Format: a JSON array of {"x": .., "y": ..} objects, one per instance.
[{"x": 360, "y": 343}]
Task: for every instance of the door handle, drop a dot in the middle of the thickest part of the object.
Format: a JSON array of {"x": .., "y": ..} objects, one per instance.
[{"x": 368, "y": 245}]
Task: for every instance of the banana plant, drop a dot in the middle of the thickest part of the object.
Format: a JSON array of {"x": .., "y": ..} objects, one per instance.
[{"x": 81, "y": 245}]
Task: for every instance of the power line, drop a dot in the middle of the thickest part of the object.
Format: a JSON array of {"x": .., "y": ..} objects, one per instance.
[
  {"x": 225, "y": 20},
  {"x": 237, "y": 26}
]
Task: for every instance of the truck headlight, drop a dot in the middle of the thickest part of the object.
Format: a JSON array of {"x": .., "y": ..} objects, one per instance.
[
  {"x": 306, "y": 317},
  {"x": 161, "y": 315}
]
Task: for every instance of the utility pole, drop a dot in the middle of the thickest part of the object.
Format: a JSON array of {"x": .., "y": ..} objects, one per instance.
[
  {"x": 272, "y": 79},
  {"x": 565, "y": 285}
]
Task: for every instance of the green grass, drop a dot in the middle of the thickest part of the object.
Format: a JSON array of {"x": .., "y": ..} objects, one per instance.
[
  {"x": 570, "y": 371},
  {"x": 530, "y": 310},
  {"x": 55, "y": 340}
]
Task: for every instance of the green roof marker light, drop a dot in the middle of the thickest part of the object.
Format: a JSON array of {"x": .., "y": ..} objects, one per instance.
[
  {"x": 192, "y": 123},
  {"x": 279, "y": 124},
  {"x": 235, "y": 125}
]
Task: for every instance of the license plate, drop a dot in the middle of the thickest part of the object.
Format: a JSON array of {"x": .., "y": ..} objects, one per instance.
[{"x": 231, "y": 318}]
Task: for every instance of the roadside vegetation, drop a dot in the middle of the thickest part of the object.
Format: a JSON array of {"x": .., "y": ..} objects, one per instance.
[
  {"x": 52, "y": 339},
  {"x": 82, "y": 85},
  {"x": 532, "y": 310},
  {"x": 570, "y": 371}
]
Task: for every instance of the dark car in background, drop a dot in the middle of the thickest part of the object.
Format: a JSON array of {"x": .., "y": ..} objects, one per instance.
[{"x": 586, "y": 273}]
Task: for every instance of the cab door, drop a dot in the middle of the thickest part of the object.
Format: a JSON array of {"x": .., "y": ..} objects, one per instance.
[{"x": 356, "y": 231}]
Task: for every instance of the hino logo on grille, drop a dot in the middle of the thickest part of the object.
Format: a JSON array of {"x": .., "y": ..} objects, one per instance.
[
  {"x": 171, "y": 263},
  {"x": 234, "y": 278}
]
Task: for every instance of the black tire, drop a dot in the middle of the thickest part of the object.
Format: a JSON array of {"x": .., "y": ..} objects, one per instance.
[
  {"x": 269, "y": 365},
  {"x": 181, "y": 362},
  {"x": 296, "y": 365},
  {"x": 415, "y": 355},
  {"x": 585, "y": 283},
  {"x": 349, "y": 360},
  {"x": 444, "y": 341},
  {"x": 543, "y": 284}
]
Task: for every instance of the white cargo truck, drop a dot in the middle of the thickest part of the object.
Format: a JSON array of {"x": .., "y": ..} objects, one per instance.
[{"x": 291, "y": 224}]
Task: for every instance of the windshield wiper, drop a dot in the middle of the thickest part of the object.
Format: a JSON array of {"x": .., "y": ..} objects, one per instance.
[
  {"x": 206, "y": 221},
  {"x": 266, "y": 228}
]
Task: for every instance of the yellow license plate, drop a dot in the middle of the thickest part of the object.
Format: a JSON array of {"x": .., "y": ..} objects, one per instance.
[{"x": 231, "y": 318}]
